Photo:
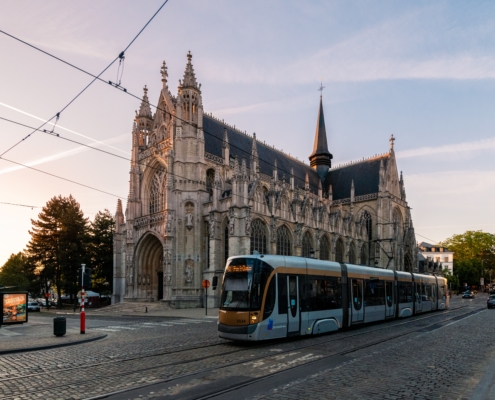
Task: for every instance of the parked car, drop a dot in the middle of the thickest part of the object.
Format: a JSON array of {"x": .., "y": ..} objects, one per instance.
[
  {"x": 468, "y": 295},
  {"x": 490, "y": 303},
  {"x": 34, "y": 306}
]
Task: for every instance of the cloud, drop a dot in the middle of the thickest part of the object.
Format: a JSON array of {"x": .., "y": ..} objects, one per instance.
[
  {"x": 485, "y": 144},
  {"x": 60, "y": 155},
  {"x": 103, "y": 143}
]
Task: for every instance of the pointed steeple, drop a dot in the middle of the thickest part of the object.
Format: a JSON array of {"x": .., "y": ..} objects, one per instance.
[
  {"x": 321, "y": 158},
  {"x": 144, "y": 109},
  {"x": 189, "y": 79}
]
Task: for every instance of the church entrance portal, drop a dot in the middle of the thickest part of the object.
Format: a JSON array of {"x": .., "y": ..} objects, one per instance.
[{"x": 150, "y": 269}]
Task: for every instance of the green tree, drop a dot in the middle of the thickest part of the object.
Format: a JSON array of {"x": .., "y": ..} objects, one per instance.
[
  {"x": 18, "y": 273},
  {"x": 58, "y": 244},
  {"x": 100, "y": 252}
]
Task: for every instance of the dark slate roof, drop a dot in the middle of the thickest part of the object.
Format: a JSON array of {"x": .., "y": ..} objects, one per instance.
[
  {"x": 240, "y": 146},
  {"x": 366, "y": 175}
]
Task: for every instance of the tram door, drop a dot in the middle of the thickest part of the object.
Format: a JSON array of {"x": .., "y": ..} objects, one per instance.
[
  {"x": 357, "y": 308},
  {"x": 389, "y": 299},
  {"x": 419, "y": 297},
  {"x": 294, "y": 315}
]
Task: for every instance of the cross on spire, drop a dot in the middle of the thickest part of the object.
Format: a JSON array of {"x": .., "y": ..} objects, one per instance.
[
  {"x": 392, "y": 140},
  {"x": 320, "y": 89}
]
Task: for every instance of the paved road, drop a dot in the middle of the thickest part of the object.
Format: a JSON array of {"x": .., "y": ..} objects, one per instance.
[{"x": 438, "y": 355}]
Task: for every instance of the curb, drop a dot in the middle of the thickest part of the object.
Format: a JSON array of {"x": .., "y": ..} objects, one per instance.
[{"x": 51, "y": 346}]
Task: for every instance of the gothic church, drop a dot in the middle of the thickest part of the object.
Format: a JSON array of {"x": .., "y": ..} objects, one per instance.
[{"x": 201, "y": 190}]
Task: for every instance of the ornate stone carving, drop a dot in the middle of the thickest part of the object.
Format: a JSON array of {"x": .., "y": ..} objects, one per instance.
[
  {"x": 248, "y": 222},
  {"x": 298, "y": 235},
  {"x": 212, "y": 225},
  {"x": 189, "y": 271},
  {"x": 231, "y": 222},
  {"x": 273, "y": 229}
]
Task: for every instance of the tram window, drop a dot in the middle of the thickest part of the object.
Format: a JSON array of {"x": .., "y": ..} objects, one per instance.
[
  {"x": 388, "y": 286},
  {"x": 269, "y": 300},
  {"x": 283, "y": 305},
  {"x": 325, "y": 293},
  {"x": 405, "y": 292},
  {"x": 356, "y": 292},
  {"x": 305, "y": 288},
  {"x": 374, "y": 293},
  {"x": 434, "y": 292},
  {"x": 427, "y": 292}
]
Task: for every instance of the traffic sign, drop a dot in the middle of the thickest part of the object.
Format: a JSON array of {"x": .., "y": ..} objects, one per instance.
[{"x": 206, "y": 283}]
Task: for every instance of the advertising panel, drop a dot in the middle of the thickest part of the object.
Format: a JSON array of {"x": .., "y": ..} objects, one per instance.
[{"x": 14, "y": 308}]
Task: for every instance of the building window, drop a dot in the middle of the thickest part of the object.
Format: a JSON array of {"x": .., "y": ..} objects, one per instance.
[
  {"x": 437, "y": 259},
  {"x": 368, "y": 224},
  {"x": 352, "y": 254},
  {"x": 306, "y": 245},
  {"x": 445, "y": 259},
  {"x": 258, "y": 237},
  {"x": 283, "y": 241},
  {"x": 226, "y": 242},
  {"x": 210, "y": 180},
  {"x": 339, "y": 251},
  {"x": 363, "y": 257},
  {"x": 324, "y": 249},
  {"x": 155, "y": 194}
]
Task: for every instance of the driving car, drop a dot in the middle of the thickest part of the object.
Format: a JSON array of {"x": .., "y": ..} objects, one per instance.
[
  {"x": 34, "y": 306},
  {"x": 468, "y": 295},
  {"x": 490, "y": 303}
]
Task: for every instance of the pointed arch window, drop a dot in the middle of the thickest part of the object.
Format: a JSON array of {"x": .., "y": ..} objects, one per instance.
[
  {"x": 307, "y": 245},
  {"x": 368, "y": 224},
  {"x": 258, "y": 237},
  {"x": 226, "y": 242},
  {"x": 363, "y": 257},
  {"x": 210, "y": 180},
  {"x": 155, "y": 204},
  {"x": 339, "y": 251},
  {"x": 352, "y": 254},
  {"x": 324, "y": 248},
  {"x": 284, "y": 244}
]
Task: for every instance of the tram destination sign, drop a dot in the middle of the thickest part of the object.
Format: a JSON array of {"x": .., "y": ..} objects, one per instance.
[{"x": 14, "y": 307}]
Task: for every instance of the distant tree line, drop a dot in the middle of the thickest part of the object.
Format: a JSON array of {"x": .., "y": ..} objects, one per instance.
[
  {"x": 61, "y": 240},
  {"x": 474, "y": 258}
]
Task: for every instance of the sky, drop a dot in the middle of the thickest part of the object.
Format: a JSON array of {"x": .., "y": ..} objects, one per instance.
[{"x": 423, "y": 71}]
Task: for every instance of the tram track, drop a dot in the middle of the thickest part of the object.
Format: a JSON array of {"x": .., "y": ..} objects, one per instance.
[{"x": 139, "y": 371}]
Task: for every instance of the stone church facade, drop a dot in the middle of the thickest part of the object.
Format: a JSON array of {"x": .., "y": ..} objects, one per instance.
[{"x": 201, "y": 190}]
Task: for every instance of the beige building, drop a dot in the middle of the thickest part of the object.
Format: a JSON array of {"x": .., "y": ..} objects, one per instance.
[
  {"x": 201, "y": 190},
  {"x": 436, "y": 258}
]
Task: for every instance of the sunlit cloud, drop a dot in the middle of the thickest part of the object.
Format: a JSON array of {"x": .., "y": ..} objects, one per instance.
[
  {"x": 103, "y": 143},
  {"x": 60, "y": 155}
]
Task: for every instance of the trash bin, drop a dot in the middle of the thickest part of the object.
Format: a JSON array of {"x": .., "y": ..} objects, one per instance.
[{"x": 59, "y": 324}]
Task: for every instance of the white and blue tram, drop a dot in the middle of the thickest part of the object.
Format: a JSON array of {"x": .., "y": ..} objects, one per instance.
[{"x": 269, "y": 296}]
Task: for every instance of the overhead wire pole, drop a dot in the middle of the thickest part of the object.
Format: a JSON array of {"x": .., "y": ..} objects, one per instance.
[{"x": 120, "y": 56}]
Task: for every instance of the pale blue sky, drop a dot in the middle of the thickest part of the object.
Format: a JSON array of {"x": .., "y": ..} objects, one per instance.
[{"x": 423, "y": 71}]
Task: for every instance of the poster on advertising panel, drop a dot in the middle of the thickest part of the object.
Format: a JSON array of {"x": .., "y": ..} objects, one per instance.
[{"x": 14, "y": 307}]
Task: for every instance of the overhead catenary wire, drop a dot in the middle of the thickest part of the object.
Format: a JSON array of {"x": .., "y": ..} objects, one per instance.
[
  {"x": 120, "y": 56},
  {"x": 97, "y": 77},
  {"x": 57, "y": 135}
]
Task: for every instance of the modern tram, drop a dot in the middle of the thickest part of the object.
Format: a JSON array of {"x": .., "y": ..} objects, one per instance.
[{"x": 270, "y": 296}]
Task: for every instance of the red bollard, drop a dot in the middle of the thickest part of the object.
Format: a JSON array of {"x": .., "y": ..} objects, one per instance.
[{"x": 83, "y": 314}]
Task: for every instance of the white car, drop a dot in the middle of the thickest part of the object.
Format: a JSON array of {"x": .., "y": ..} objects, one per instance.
[{"x": 34, "y": 306}]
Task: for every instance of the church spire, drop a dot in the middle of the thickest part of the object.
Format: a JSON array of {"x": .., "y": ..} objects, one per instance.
[
  {"x": 189, "y": 79},
  {"x": 321, "y": 158},
  {"x": 144, "y": 109}
]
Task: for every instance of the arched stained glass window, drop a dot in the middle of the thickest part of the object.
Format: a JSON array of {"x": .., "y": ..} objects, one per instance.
[
  {"x": 226, "y": 241},
  {"x": 352, "y": 254},
  {"x": 283, "y": 241},
  {"x": 368, "y": 224},
  {"x": 258, "y": 237},
  {"x": 339, "y": 251},
  {"x": 155, "y": 194},
  {"x": 210, "y": 180},
  {"x": 364, "y": 258},
  {"x": 324, "y": 248},
  {"x": 307, "y": 245}
]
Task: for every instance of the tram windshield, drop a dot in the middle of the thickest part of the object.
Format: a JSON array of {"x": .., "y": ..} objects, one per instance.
[{"x": 244, "y": 283}]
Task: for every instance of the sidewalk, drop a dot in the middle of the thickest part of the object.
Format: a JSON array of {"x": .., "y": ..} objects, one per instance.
[{"x": 39, "y": 336}]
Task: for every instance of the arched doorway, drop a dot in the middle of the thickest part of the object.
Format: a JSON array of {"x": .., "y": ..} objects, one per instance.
[{"x": 149, "y": 268}]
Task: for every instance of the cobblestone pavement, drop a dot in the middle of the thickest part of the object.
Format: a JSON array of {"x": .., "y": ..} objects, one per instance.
[{"x": 438, "y": 363}]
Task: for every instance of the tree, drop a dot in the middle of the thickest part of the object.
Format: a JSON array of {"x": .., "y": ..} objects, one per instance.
[
  {"x": 18, "y": 273},
  {"x": 473, "y": 251},
  {"x": 100, "y": 251},
  {"x": 58, "y": 244}
]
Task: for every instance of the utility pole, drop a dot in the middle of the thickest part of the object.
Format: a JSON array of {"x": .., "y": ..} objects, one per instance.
[{"x": 83, "y": 314}]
